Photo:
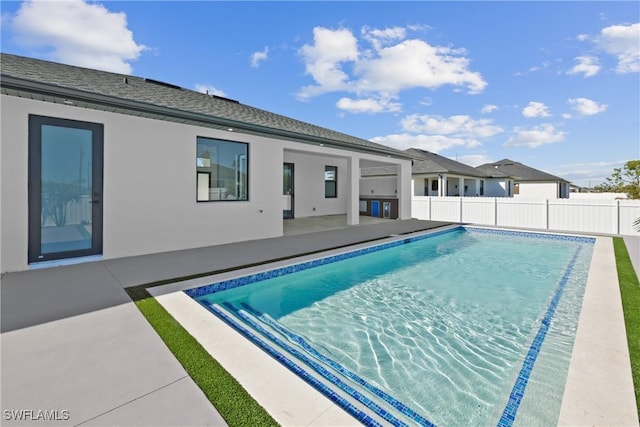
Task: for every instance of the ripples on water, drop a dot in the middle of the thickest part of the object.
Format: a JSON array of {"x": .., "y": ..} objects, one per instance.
[{"x": 445, "y": 330}]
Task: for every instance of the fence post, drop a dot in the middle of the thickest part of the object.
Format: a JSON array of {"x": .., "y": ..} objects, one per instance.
[
  {"x": 495, "y": 211},
  {"x": 546, "y": 210},
  {"x": 617, "y": 217},
  {"x": 460, "y": 210},
  {"x": 429, "y": 208}
]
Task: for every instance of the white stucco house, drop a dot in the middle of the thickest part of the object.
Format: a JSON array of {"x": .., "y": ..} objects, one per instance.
[
  {"x": 101, "y": 164},
  {"x": 437, "y": 176},
  {"x": 524, "y": 181},
  {"x": 432, "y": 175}
]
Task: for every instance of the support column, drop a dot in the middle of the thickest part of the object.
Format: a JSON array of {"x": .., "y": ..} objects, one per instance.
[
  {"x": 404, "y": 190},
  {"x": 353, "y": 190}
]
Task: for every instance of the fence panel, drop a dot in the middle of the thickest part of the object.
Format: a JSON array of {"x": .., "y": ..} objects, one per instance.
[
  {"x": 592, "y": 216},
  {"x": 479, "y": 210},
  {"x": 420, "y": 207},
  {"x": 600, "y": 216},
  {"x": 521, "y": 213},
  {"x": 629, "y": 212},
  {"x": 445, "y": 209}
]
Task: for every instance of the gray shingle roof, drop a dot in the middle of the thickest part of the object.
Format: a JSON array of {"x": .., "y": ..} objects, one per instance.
[
  {"x": 425, "y": 162},
  {"x": 55, "y": 82},
  {"x": 516, "y": 170}
]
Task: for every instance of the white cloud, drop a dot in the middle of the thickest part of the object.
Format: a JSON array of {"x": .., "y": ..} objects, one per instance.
[
  {"x": 586, "y": 107},
  {"x": 488, "y": 108},
  {"x": 544, "y": 65},
  {"x": 582, "y": 37},
  {"x": 78, "y": 33},
  {"x": 209, "y": 90},
  {"x": 587, "y": 174},
  {"x": 415, "y": 63},
  {"x": 379, "y": 38},
  {"x": 323, "y": 60},
  {"x": 394, "y": 63},
  {"x": 368, "y": 105},
  {"x": 258, "y": 57},
  {"x": 536, "y": 109},
  {"x": 459, "y": 125},
  {"x": 535, "y": 137},
  {"x": 623, "y": 42},
  {"x": 588, "y": 65},
  {"x": 437, "y": 133},
  {"x": 433, "y": 143}
]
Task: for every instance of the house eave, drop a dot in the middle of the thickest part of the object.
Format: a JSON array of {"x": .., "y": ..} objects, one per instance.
[{"x": 30, "y": 89}]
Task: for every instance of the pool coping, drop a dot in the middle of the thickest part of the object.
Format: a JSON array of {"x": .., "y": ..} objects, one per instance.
[{"x": 295, "y": 402}]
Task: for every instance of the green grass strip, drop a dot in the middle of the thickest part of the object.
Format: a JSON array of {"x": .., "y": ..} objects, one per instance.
[
  {"x": 630, "y": 291},
  {"x": 232, "y": 401}
]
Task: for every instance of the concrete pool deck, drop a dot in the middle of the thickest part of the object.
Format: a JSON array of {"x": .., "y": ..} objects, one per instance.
[
  {"x": 73, "y": 341},
  {"x": 75, "y": 345}
]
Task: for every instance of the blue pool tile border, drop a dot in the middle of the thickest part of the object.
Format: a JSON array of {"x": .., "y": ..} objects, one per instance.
[
  {"x": 336, "y": 381},
  {"x": 364, "y": 418},
  {"x": 258, "y": 277},
  {"x": 404, "y": 409},
  {"x": 282, "y": 271},
  {"x": 567, "y": 237},
  {"x": 517, "y": 393}
]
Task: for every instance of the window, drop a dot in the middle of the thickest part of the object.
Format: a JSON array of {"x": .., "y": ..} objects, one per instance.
[
  {"x": 434, "y": 185},
  {"x": 221, "y": 170},
  {"x": 330, "y": 182},
  {"x": 482, "y": 187}
]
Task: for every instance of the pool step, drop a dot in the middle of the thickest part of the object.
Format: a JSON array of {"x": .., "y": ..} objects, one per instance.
[
  {"x": 282, "y": 355},
  {"x": 380, "y": 397},
  {"x": 348, "y": 385}
]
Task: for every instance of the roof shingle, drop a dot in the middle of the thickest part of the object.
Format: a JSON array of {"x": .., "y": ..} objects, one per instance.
[{"x": 94, "y": 85}]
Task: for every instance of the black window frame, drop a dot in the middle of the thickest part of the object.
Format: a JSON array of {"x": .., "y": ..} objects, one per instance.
[
  {"x": 331, "y": 182},
  {"x": 217, "y": 178},
  {"x": 35, "y": 124}
]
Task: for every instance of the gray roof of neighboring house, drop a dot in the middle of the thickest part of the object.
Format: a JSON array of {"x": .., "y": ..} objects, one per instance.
[
  {"x": 516, "y": 170},
  {"x": 101, "y": 90},
  {"x": 425, "y": 162}
]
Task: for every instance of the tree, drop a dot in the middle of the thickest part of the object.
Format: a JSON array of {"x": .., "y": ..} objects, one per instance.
[{"x": 625, "y": 180}]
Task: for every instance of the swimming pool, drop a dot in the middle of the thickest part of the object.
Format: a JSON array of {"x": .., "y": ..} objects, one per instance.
[{"x": 443, "y": 329}]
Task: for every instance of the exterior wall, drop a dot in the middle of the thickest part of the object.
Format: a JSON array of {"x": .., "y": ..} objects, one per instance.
[
  {"x": 538, "y": 190},
  {"x": 149, "y": 193},
  {"x": 498, "y": 187},
  {"x": 149, "y": 185},
  {"x": 308, "y": 184},
  {"x": 379, "y": 186}
]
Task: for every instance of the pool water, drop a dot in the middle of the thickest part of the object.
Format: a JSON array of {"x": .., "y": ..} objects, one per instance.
[{"x": 443, "y": 324}]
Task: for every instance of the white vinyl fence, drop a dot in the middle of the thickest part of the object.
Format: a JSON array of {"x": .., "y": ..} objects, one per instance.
[{"x": 613, "y": 217}]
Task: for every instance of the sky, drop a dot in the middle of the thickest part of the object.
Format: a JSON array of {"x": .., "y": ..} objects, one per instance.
[{"x": 553, "y": 85}]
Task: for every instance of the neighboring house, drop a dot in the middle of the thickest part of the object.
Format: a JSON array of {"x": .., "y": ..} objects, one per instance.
[
  {"x": 513, "y": 178},
  {"x": 98, "y": 163},
  {"x": 432, "y": 175}
]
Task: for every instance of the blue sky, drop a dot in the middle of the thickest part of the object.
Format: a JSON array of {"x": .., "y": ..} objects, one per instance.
[{"x": 555, "y": 85}]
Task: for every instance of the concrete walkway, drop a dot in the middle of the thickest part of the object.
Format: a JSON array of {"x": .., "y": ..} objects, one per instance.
[{"x": 74, "y": 345}]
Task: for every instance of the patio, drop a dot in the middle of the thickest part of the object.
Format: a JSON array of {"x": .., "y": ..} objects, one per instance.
[{"x": 73, "y": 341}]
